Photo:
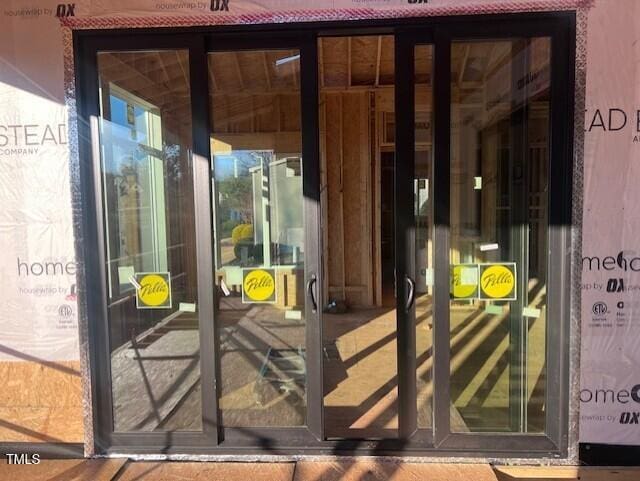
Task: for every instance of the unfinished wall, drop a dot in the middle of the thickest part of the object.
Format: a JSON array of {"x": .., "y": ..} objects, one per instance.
[{"x": 346, "y": 196}]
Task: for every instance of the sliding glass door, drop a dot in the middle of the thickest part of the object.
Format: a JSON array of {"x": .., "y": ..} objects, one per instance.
[
  {"x": 480, "y": 253},
  {"x": 330, "y": 241},
  {"x": 205, "y": 181}
]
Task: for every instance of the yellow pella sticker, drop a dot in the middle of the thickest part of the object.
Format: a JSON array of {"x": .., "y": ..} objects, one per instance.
[
  {"x": 153, "y": 290},
  {"x": 464, "y": 281},
  {"x": 258, "y": 286},
  {"x": 498, "y": 281}
]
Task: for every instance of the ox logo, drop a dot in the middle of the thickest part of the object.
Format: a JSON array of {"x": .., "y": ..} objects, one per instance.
[
  {"x": 615, "y": 285},
  {"x": 66, "y": 10},
  {"x": 219, "y": 5},
  {"x": 630, "y": 418}
]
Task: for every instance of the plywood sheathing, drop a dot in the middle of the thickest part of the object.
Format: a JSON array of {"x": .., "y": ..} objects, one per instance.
[
  {"x": 351, "y": 70},
  {"x": 377, "y": 198},
  {"x": 364, "y": 52},
  {"x": 333, "y": 187},
  {"x": 567, "y": 473},
  {"x": 334, "y": 62},
  {"x": 387, "y": 62},
  {"x": 351, "y": 187},
  {"x": 347, "y": 163},
  {"x": 362, "y": 62},
  {"x": 41, "y": 401}
]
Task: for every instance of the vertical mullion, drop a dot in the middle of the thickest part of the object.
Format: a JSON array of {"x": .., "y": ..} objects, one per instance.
[
  {"x": 204, "y": 241},
  {"x": 441, "y": 192},
  {"x": 312, "y": 232},
  {"x": 405, "y": 233}
]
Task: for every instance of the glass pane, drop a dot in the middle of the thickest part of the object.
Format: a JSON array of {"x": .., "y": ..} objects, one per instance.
[
  {"x": 259, "y": 236},
  {"x": 423, "y": 211},
  {"x": 359, "y": 324},
  {"x": 499, "y": 212},
  {"x": 145, "y": 142}
]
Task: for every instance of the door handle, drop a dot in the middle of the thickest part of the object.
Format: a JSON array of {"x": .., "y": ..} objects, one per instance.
[
  {"x": 310, "y": 283},
  {"x": 411, "y": 294}
]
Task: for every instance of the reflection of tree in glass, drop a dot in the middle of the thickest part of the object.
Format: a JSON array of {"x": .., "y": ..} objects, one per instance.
[
  {"x": 171, "y": 157},
  {"x": 236, "y": 174},
  {"x": 236, "y": 197},
  {"x": 127, "y": 179},
  {"x": 128, "y": 191}
]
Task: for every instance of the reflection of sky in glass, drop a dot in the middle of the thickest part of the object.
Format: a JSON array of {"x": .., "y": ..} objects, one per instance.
[
  {"x": 237, "y": 163},
  {"x": 118, "y": 111},
  {"x": 119, "y": 117},
  {"x": 125, "y": 138}
]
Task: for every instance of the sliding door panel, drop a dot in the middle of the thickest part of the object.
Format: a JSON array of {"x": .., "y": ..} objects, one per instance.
[
  {"x": 473, "y": 135},
  {"x": 145, "y": 140},
  {"x": 500, "y": 94},
  {"x": 259, "y": 237}
]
